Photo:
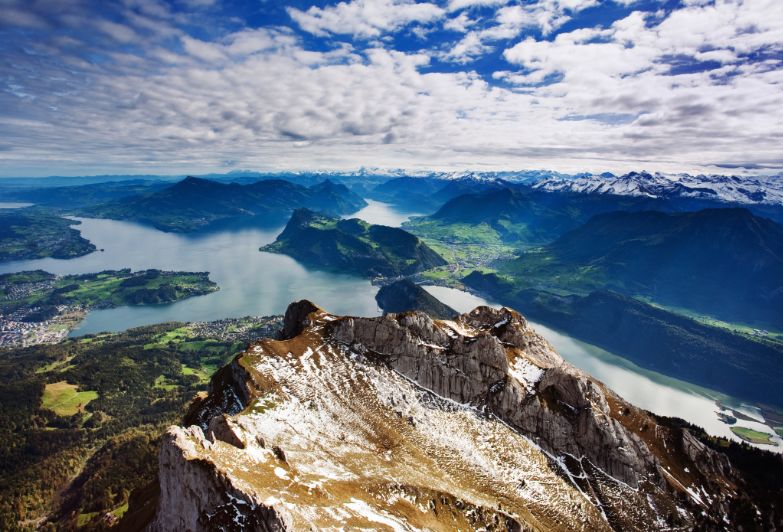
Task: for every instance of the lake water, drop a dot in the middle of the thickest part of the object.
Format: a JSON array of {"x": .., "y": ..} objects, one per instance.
[
  {"x": 251, "y": 282},
  {"x": 380, "y": 213},
  {"x": 646, "y": 389},
  {"x": 256, "y": 283}
]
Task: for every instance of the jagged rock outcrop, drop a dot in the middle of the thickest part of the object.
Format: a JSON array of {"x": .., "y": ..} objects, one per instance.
[
  {"x": 405, "y": 422},
  {"x": 200, "y": 497}
]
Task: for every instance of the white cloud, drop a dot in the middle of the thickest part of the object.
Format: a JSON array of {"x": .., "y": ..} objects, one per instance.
[
  {"x": 18, "y": 17},
  {"x": 456, "y": 5},
  {"x": 260, "y": 97},
  {"x": 510, "y": 21},
  {"x": 253, "y": 41},
  {"x": 118, "y": 32},
  {"x": 203, "y": 50},
  {"x": 466, "y": 49},
  {"x": 460, "y": 23},
  {"x": 364, "y": 18}
]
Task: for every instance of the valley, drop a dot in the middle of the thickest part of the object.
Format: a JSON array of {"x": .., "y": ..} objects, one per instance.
[{"x": 231, "y": 257}]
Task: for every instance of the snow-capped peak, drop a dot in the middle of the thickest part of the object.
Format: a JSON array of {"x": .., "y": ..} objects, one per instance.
[{"x": 733, "y": 189}]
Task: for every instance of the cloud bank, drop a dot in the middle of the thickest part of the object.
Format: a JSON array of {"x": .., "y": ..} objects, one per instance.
[{"x": 145, "y": 86}]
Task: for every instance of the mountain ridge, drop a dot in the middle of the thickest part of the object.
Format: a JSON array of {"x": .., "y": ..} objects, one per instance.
[
  {"x": 194, "y": 203},
  {"x": 729, "y": 189},
  {"x": 405, "y": 421}
]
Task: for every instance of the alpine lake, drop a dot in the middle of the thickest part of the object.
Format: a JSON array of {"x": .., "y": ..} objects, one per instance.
[{"x": 262, "y": 284}]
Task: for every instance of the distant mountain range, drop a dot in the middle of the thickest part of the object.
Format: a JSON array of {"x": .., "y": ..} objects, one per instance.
[
  {"x": 748, "y": 190},
  {"x": 195, "y": 204},
  {"x": 427, "y": 194},
  {"x": 730, "y": 189},
  {"x": 78, "y": 196},
  {"x": 521, "y": 215},
  {"x": 353, "y": 246},
  {"x": 385, "y": 184}
]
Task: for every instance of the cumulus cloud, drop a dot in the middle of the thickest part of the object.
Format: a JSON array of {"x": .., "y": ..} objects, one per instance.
[
  {"x": 510, "y": 21},
  {"x": 364, "y": 18}
]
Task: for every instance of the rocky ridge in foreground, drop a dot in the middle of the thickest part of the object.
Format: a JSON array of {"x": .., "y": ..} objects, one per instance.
[{"x": 403, "y": 422}]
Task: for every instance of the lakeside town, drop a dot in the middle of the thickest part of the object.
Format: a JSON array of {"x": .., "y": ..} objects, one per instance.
[{"x": 18, "y": 330}]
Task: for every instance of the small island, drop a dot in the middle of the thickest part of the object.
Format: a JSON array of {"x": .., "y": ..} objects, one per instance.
[
  {"x": 752, "y": 436},
  {"x": 39, "y": 307},
  {"x": 31, "y": 234},
  {"x": 353, "y": 246}
]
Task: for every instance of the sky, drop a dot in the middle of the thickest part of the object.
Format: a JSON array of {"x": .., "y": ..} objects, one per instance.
[{"x": 197, "y": 86}]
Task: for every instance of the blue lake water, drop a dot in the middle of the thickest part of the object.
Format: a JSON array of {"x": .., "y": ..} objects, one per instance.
[{"x": 257, "y": 283}]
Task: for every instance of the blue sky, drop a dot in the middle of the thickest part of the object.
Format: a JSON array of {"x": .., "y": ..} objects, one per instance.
[{"x": 190, "y": 86}]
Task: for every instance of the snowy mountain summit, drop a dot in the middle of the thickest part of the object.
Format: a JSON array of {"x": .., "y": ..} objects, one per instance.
[
  {"x": 733, "y": 189},
  {"x": 403, "y": 422}
]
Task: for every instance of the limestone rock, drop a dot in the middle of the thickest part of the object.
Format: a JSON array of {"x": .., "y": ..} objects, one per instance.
[{"x": 407, "y": 422}]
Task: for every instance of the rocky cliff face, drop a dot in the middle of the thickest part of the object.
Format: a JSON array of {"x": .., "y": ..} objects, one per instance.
[{"x": 403, "y": 422}]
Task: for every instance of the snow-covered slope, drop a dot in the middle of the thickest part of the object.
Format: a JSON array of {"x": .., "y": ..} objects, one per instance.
[
  {"x": 405, "y": 423},
  {"x": 734, "y": 189}
]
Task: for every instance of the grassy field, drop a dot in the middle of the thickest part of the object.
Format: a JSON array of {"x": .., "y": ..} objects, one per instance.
[
  {"x": 173, "y": 337},
  {"x": 57, "y": 365},
  {"x": 65, "y": 400},
  {"x": 203, "y": 374},
  {"x": 461, "y": 243},
  {"x": 752, "y": 436},
  {"x": 162, "y": 383}
]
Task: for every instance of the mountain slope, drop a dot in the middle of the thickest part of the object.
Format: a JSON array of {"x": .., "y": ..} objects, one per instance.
[
  {"x": 404, "y": 422},
  {"x": 193, "y": 204},
  {"x": 427, "y": 194},
  {"x": 353, "y": 246},
  {"x": 724, "y": 262},
  {"x": 520, "y": 215},
  {"x": 404, "y": 296}
]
